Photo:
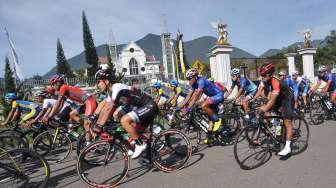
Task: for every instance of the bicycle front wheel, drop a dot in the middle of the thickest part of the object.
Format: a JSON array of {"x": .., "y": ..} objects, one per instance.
[
  {"x": 103, "y": 164},
  {"x": 171, "y": 150},
  {"x": 23, "y": 168},
  {"x": 251, "y": 148},
  {"x": 54, "y": 146},
  {"x": 300, "y": 135}
]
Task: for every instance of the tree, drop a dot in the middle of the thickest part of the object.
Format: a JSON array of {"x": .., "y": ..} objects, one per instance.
[
  {"x": 326, "y": 55},
  {"x": 62, "y": 64},
  {"x": 111, "y": 65},
  {"x": 9, "y": 80},
  {"x": 90, "y": 49}
]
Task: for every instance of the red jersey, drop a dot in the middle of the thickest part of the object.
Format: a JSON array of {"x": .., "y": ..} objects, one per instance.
[{"x": 73, "y": 93}]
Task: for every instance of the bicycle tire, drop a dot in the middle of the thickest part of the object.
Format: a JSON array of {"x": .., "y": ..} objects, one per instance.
[{"x": 82, "y": 162}]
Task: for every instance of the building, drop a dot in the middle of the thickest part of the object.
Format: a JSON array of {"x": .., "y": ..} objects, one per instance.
[{"x": 136, "y": 64}]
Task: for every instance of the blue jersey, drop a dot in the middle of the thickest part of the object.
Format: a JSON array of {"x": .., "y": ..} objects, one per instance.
[
  {"x": 25, "y": 106},
  {"x": 327, "y": 78},
  {"x": 208, "y": 88},
  {"x": 293, "y": 86},
  {"x": 302, "y": 84},
  {"x": 247, "y": 85}
]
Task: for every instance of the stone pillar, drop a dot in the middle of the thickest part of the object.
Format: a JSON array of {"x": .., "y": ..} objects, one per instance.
[
  {"x": 222, "y": 63},
  {"x": 212, "y": 58},
  {"x": 308, "y": 62},
  {"x": 291, "y": 62}
]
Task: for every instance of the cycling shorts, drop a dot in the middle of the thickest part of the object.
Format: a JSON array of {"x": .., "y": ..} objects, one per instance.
[
  {"x": 250, "y": 95},
  {"x": 144, "y": 115},
  {"x": 216, "y": 99},
  {"x": 286, "y": 106}
]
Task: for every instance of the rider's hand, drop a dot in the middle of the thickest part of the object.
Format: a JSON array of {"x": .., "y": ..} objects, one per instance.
[
  {"x": 262, "y": 109},
  {"x": 45, "y": 120}
]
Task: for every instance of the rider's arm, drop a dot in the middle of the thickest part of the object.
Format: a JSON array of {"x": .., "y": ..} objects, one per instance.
[
  {"x": 228, "y": 93},
  {"x": 240, "y": 91},
  {"x": 325, "y": 89},
  {"x": 10, "y": 115},
  {"x": 186, "y": 100},
  {"x": 316, "y": 86},
  {"x": 197, "y": 94},
  {"x": 57, "y": 107},
  {"x": 39, "y": 115},
  {"x": 273, "y": 96},
  {"x": 259, "y": 92}
]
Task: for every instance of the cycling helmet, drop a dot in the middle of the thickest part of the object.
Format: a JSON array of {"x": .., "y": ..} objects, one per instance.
[
  {"x": 50, "y": 90},
  {"x": 42, "y": 94},
  {"x": 191, "y": 73},
  {"x": 105, "y": 74},
  {"x": 156, "y": 85},
  {"x": 56, "y": 78},
  {"x": 235, "y": 72},
  {"x": 174, "y": 83},
  {"x": 295, "y": 73},
  {"x": 333, "y": 71},
  {"x": 322, "y": 68},
  {"x": 10, "y": 96},
  {"x": 266, "y": 68},
  {"x": 282, "y": 73}
]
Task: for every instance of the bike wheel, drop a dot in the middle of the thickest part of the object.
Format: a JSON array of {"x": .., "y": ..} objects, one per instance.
[
  {"x": 317, "y": 112},
  {"x": 81, "y": 143},
  {"x": 300, "y": 135},
  {"x": 251, "y": 148},
  {"x": 23, "y": 168},
  {"x": 9, "y": 142},
  {"x": 54, "y": 147},
  {"x": 103, "y": 164},
  {"x": 171, "y": 150}
]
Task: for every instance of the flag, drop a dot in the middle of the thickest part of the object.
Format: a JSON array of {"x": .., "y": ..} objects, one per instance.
[
  {"x": 181, "y": 51},
  {"x": 16, "y": 67}
]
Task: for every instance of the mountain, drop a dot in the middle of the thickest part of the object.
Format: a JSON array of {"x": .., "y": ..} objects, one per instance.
[
  {"x": 151, "y": 44},
  {"x": 272, "y": 52}
]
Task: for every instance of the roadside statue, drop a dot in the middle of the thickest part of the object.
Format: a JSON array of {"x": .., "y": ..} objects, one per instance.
[
  {"x": 307, "y": 38},
  {"x": 222, "y": 32}
]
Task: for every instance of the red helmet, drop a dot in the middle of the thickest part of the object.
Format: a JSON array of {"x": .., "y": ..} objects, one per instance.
[
  {"x": 56, "y": 78},
  {"x": 266, "y": 68},
  {"x": 50, "y": 90}
]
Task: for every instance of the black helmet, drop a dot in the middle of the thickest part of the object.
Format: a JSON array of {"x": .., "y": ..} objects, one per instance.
[{"x": 105, "y": 74}]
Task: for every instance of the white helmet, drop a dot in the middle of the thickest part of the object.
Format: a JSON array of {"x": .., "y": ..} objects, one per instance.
[
  {"x": 235, "y": 72},
  {"x": 191, "y": 73},
  {"x": 322, "y": 68},
  {"x": 333, "y": 71},
  {"x": 295, "y": 73},
  {"x": 283, "y": 73}
]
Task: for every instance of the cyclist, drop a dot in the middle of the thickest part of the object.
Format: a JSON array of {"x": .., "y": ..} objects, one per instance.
[
  {"x": 330, "y": 79},
  {"x": 177, "y": 95},
  {"x": 280, "y": 96},
  {"x": 75, "y": 94},
  {"x": 292, "y": 85},
  {"x": 160, "y": 97},
  {"x": 245, "y": 86},
  {"x": 19, "y": 106},
  {"x": 199, "y": 86},
  {"x": 119, "y": 94},
  {"x": 303, "y": 86}
]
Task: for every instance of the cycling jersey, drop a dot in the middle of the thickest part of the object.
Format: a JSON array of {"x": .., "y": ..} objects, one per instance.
[
  {"x": 329, "y": 77},
  {"x": 209, "y": 89},
  {"x": 31, "y": 108},
  {"x": 284, "y": 96},
  {"x": 146, "y": 108},
  {"x": 247, "y": 85},
  {"x": 302, "y": 84},
  {"x": 80, "y": 96},
  {"x": 220, "y": 86},
  {"x": 293, "y": 86},
  {"x": 180, "y": 91}
]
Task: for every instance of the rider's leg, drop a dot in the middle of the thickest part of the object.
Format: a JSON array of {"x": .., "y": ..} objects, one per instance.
[
  {"x": 288, "y": 115},
  {"x": 90, "y": 107},
  {"x": 333, "y": 98}
]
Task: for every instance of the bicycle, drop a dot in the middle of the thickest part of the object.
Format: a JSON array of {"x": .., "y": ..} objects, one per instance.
[
  {"x": 254, "y": 144},
  {"x": 169, "y": 151},
  {"x": 23, "y": 168},
  {"x": 322, "y": 109},
  {"x": 55, "y": 145}
]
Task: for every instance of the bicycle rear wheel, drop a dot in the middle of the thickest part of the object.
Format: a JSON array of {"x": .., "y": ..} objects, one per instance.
[
  {"x": 171, "y": 150},
  {"x": 23, "y": 168},
  {"x": 251, "y": 148},
  {"x": 300, "y": 135},
  {"x": 12, "y": 141},
  {"x": 317, "y": 113},
  {"x": 103, "y": 164}
]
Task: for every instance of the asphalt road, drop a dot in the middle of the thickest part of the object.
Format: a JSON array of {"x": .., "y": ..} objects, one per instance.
[{"x": 216, "y": 167}]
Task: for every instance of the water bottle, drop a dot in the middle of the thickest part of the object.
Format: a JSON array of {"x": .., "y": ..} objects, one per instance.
[
  {"x": 124, "y": 134},
  {"x": 156, "y": 129},
  {"x": 276, "y": 126},
  {"x": 329, "y": 105}
]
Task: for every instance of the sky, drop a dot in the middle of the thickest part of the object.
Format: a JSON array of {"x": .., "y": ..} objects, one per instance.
[{"x": 254, "y": 26}]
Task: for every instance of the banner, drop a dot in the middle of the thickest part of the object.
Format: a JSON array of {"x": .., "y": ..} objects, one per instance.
[{"x": 16, "y": 68}]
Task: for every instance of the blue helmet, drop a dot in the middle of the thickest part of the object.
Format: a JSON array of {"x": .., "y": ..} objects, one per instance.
[
  {"x": 156, "y": 85},
  {"x": 10, "y": 96},
  {"x": 174, "y": 83}
]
